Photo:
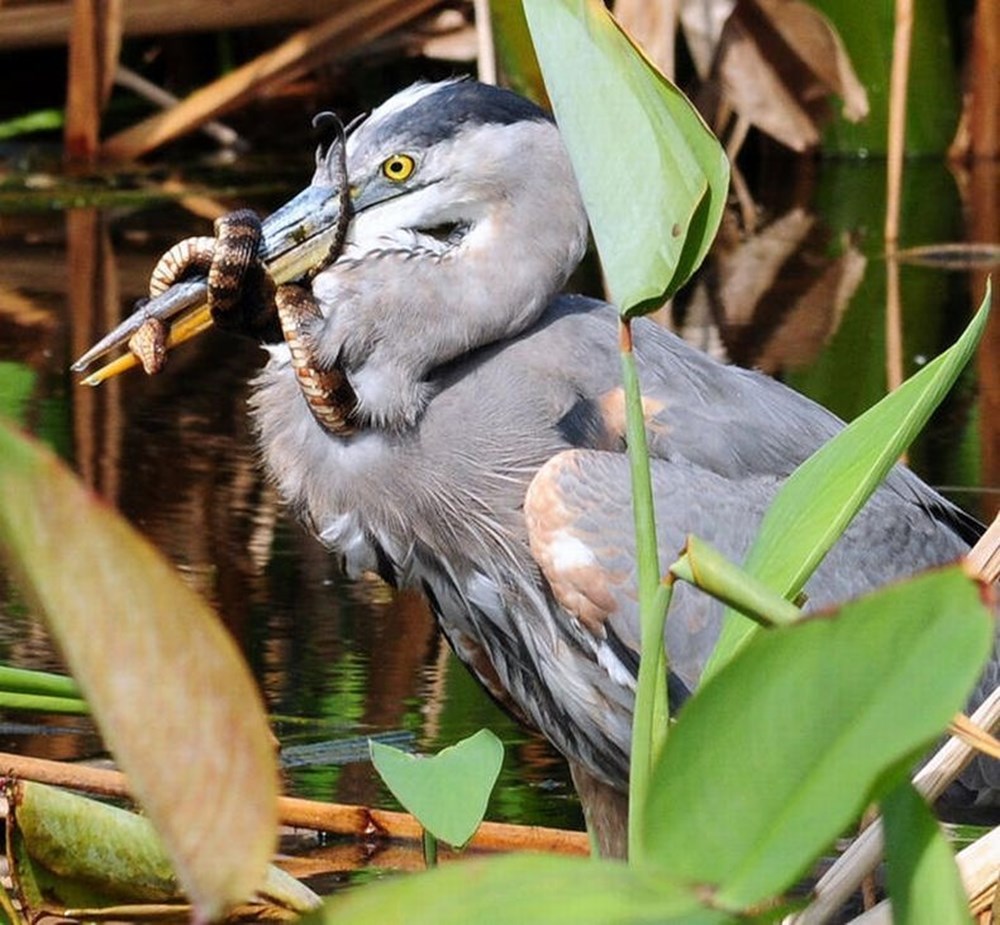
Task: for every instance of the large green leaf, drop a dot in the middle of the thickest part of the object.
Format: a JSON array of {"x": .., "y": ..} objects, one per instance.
[
  {"x": 781, "y": 750},
  {"x": 816, "y": 504},
  {"x": 653, "y": 177},
  {"x": 521, "y": 890},
  {"x": 447, "y": 792},
  {"x": 921, "y": 872},
  {"x": 166, "y": 684}
]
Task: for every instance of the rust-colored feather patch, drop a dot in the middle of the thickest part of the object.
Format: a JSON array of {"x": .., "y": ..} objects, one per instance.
[
  {"x": 576, "y": 575},
  {"x": 612, "y": 406}
]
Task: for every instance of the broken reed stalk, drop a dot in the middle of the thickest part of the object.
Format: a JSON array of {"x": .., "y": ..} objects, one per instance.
[
  {"x": 334, "y": 818},
  {"x": 130, "y": 80},
  {"x": 349, "y": 27},
  {"x": 984, "y": 558}
]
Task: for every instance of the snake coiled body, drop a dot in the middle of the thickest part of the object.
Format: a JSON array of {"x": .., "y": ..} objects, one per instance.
[
  {"x": 242, "y": 297},
  {"x": 328, "y": 391}
]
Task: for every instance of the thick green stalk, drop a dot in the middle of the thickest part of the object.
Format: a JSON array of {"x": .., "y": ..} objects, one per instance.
[
  {"x": 705, "y": 567},
  {"x": 42, "y": 703},
  {"x": 29, "y": 681},
  {"x": 39, "y": 692},
  {"x": 649, "y": 724}
]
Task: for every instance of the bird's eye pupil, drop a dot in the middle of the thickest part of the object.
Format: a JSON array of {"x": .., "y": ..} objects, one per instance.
[{"x": 398, "y": 166}]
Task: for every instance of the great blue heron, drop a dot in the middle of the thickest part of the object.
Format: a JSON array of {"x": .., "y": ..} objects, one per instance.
[{"x": 476, "y": 445}]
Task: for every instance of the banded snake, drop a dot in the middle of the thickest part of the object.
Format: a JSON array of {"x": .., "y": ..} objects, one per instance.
[{"x": 243, "y": 297}]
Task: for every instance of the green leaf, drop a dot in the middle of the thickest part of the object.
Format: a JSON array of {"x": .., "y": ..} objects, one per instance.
[
  {"x": 815, "y": 505},
  {"x": 42, "y": 120},
  {"x": 447, "y": 792},
  {"x": 81, "y": 839},
  {"x": 654, "y": 179},
  {"x": 786, "y": 743},
  {"x": 921, "y": 874},
  {"x": 167, "y": 686},
  {"x": 521, "y": 890},
  {"x": 515, "y": 52}
]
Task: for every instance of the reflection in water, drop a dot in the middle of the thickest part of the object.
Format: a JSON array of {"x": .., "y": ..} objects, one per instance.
[
  {"x": 803, "y": 299},
  {"x": 776, "y": 297}
]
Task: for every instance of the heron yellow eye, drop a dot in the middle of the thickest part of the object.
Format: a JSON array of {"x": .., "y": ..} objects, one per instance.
[{"x": 397, "y": 167}]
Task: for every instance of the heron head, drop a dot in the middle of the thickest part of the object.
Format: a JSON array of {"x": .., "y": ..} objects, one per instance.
[
  {"x": 431, "y": 163},
  {"x": 464, "y": 220}
]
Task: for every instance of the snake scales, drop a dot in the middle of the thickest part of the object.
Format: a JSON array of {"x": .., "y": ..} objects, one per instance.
[
  {"x": 229, "y": 259},
  {"x": 243, "y": 297}
]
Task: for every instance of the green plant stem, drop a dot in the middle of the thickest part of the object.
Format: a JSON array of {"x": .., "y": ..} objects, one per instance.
[
  {"x": 40, "y": 703},
  {"x": 705, "y": 567},
  {"x": 649, "y": 723},
  {"x": 660, "y": 716},
  {"x": 430, "y": 850},
  {"x": 29, "y": 681}
]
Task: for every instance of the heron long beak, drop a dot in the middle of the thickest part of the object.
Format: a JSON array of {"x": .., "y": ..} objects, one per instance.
[{"x": 298, "y": 239}]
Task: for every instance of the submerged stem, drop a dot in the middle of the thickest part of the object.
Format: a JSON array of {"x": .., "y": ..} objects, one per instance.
[{"x": 430, "y": 850}]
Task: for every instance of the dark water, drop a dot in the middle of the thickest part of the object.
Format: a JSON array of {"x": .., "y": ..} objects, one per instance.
[{"x": 804, "y": 300}]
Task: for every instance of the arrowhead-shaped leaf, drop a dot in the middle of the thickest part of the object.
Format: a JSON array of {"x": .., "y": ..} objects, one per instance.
[
  {"x": 447, "y": 792},
  {"x": 654, "y": 179},
  {"x": 167, "y": 686}
]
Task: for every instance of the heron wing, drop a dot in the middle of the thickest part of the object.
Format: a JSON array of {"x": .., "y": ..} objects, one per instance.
[
  {"x": 741, "y": 423},
  {"x": 721, "y": 419},
  {"x": 580, "y": 527}
]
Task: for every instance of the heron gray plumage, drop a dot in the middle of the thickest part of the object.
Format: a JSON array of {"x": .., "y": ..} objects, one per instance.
[{"x": 487, "y": 467}]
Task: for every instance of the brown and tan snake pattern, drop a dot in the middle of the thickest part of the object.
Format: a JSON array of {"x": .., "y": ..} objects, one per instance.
[
  {"x": 226, "y": 259},
  {"x": 149, "y": 344}
]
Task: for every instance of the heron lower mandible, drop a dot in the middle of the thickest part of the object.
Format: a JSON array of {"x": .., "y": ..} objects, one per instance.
[{"x": 476, "y": 444}]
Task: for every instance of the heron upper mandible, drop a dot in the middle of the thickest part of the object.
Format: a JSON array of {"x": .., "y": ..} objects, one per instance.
[{"x": 480, "y": 456}]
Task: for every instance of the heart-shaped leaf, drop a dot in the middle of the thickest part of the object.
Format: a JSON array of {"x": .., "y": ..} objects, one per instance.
[{"x": 447, "y": 792}]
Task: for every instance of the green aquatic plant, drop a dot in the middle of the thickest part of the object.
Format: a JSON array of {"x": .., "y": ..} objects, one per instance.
[{"x": 762, "y": 769}]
